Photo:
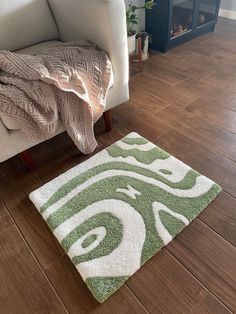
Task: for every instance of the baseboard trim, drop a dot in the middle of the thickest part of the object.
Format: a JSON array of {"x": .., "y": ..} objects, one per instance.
[{"x": 228, "y": 14}]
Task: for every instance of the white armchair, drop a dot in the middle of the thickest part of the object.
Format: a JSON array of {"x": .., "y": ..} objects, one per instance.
[{"x": 27, "y": 25}]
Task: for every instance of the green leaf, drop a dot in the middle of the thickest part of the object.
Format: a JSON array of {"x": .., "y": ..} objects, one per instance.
[
  {"x": 149, "y": 5},
  {"x": 131, "y": 17}
]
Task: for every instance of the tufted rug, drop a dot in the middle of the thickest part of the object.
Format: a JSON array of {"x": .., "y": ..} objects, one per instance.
[{"x": 116, "y": 210}]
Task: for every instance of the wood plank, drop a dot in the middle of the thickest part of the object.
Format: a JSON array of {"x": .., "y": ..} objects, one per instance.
[
  {"x": 135, "y": 109},
  {"x": 210, "y": 258},
  {"x": 209, "y": 163},
  {"x": 74, "y": 156},
  {"x": 221, "y": 217},
  {"x": 51, "y": 160},
  {"x": 14, "y": 190},
  {"x": 220, "y": 43},
  {"x": 194, "y": 87},
  {"x": 221, "y": 97},
  {"x": 194, "y": 71},
  {"x": 222, "y": 49},
  {"x": 10, "y": 165},
  {"x": 216, "y": 64},
  {"x": 173, "y": 96},
  {"x": 164, "y": 74},
  {"x": 201, "y": 39},
  {"x": 165, "y": 59},
  {"x": 219, "y": 140},
  {"x": 60, "y": 154},
  {"x": 183, "y": 50},
  {"x": 202, "y": 50},
  {"x": 222, "y": 21},
  {"x": 225, "y": 28},
  {"x": 77, "y": 297},
  {"x": 210, "y": 305},
  {"x": 65, "y": 143},
  {"x": 212, "y": 47},
  {"x": 104, "y": 139},
  {"x": 222, "y": 80},
  {"x": 225, "y": 65},
  {"x": 136, "y": 120},
  {"x": 144, "y": 100},
  {"x": 164, "y": 286},
  {"x": 23, "y": 286},
  {"x": 207, "y": 62},
  {"x": 213, "y": 113},
  {"x": 70, "y": 156},
  {"x": 5, "y": 219},
  {"x": 118, "y": 131}
]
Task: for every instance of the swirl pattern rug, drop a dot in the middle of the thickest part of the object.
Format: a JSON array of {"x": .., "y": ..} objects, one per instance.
[{"x": 116, "y": 210}]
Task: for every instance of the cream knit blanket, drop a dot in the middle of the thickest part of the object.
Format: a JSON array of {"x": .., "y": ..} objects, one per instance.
[{"x": 66, "y": 83}]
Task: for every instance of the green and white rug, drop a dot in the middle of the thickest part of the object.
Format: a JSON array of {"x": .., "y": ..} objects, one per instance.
[{"x": 116, "y": 210}]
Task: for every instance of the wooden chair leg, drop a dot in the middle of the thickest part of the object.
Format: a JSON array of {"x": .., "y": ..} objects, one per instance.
[
  {"x": 27, "y": 158},
  {"x": 107, "y": 120}
]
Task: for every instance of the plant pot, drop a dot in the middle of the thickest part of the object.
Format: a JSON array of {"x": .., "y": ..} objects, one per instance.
[
  {"x": 131, "y": 44},
  {"x": 145, "y": 54},
  {"x": 145, "y": 45}
]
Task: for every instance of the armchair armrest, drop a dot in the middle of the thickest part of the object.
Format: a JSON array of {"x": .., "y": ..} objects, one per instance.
[{"x": 104, "y": 23}]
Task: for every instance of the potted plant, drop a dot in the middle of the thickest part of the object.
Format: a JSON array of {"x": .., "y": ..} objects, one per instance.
[
  {"x": 145, "y": 37},
  {"x": 132, "y": 20}
]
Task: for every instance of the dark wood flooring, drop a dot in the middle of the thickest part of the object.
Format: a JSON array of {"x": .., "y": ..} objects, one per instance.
[{"x": 184, "y": 101}]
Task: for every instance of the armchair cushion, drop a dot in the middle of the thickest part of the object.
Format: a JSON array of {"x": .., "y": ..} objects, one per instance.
[{"x": 24, "y": 23}]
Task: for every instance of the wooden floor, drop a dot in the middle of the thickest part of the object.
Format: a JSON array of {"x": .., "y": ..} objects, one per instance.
[{"x": 184, "y": 101}]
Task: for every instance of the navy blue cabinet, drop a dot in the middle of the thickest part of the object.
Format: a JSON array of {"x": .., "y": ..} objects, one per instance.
[{"x": 173, "y": 22}]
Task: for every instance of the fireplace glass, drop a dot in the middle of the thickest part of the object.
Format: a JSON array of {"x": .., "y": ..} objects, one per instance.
[
  {"x": 182, "y": 16},
  {"x": 207, "y": 11},
  {"x": 173, "y": 22}
]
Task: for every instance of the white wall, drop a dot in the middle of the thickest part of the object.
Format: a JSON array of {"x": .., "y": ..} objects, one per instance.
[
  {"x": 141, "y": 14},
  {"x": 228, "y": 9},
  {"x": 228, "y": 5}
]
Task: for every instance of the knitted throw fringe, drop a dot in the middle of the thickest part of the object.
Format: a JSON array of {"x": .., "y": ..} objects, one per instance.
[{"x": 66, "y": 83}]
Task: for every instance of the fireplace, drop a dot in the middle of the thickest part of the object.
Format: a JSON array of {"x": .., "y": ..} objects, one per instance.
[{"x": 173, "y": 22}]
